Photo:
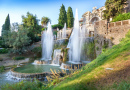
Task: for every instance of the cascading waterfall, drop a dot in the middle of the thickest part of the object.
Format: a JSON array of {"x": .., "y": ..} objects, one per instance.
[
  {"x": 64, "y": 31},
  {"x": 56, "y": 56},
  {"x": 47, "y": 43}
]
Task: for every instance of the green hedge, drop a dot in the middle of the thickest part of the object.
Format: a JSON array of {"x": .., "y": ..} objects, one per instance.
[
  {"x": 3, "y": 51},
  {"x": 57, "y": 26},
  {"x": 18, "y": 58},
  {"x": 121, "y": 17}
]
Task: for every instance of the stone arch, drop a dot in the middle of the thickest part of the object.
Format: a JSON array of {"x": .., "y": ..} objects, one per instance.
[{"x": 94, "y": 19}]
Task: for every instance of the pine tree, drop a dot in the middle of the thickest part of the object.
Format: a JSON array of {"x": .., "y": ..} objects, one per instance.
[
  {"x": 6, "y": 26},
  {"x": 70, "y": 18},
  {"x": 62, "y": 16},
  {"x": 113, "y": 8}
]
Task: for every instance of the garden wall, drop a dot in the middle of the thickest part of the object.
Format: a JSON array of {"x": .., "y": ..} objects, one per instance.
[{"x": 110, "y": 33}]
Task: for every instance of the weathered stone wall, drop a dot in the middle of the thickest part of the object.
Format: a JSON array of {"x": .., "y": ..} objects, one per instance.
[{"x": 110, "y": 33}]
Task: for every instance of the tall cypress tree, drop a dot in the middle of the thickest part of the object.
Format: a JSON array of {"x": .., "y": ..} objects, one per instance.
[
  {"x": 70, "y": 18},
  {"x": 62, "y": 16},
  {"x": 6, "y": 26}
]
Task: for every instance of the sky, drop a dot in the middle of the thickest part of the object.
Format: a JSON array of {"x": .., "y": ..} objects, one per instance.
[{"x": 40, "y": 8}]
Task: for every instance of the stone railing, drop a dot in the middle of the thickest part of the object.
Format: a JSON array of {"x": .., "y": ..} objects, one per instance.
[
  {"x": 112, "y": 24},
  {"x": 119, "y": 23}
]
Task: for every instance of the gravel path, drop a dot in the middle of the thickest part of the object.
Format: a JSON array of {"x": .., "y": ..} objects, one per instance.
[{"x": 13, "y": 62}]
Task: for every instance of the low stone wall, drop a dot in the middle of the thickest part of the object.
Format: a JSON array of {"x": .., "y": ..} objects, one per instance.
[{"x": 40, "y": 76}]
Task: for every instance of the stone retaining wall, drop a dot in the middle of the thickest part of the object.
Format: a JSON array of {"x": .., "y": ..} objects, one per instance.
[
  {"x": 40, "y": 76},
  {"x": 110, "y": 33}
]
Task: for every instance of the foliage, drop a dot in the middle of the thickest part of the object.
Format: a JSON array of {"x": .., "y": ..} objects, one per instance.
[
  {"x": 3, "y": 51},
  {"x": 18, "y": 58},
  {"x": 37, "y": 51},
  {"x": 121, "y": 17},
  {"x": 62, "y": 16},
  {"x": 43, "y": 29},
  {"x": 123, "y": 85},
  {"x": 57, "y": 26},
  {"x": 89, "y": 50},
  {"x": 113, "y": 8},
  {"x": 5, "y": 30},
  {"x": 65, "y": 54},
  {"x": 62, "y": 45},
  {"x": 105, "y": 47},
  {"x": 24, "y": 85},
  {"x": 45, "y": 20},
  {"x": 55, "y": 33},
  {"x": 70, "y": 17},
  {"x": 2, "y": 68},
  {"x": 97, "y": 48},
  {"x": 17, "y": 41},
  {"x": 30, "y": 22},
  {"x": 37, "y": 39},
  {"x": 6, "y": 26}
]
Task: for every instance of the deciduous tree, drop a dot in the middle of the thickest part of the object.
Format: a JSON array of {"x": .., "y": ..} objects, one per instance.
[{"x": 113, "y": 8}]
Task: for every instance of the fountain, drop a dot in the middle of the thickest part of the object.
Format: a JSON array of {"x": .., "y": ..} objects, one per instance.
[
  {"x": 74, "y": 51},
  {"x": 47, "y": 46},
  {"x": 64, "y": 31},
  {"x": 41, "y": 68},
  {"x": 47, "y": 43},
  {"x": 56, "y": 56}
]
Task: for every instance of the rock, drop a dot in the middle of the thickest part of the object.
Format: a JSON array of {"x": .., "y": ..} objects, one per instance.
[{"x": 109, "y": 68}]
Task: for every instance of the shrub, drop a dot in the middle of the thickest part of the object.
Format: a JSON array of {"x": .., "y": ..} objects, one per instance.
[
  {"x": 55, "y": 33},
  {"x": 18, "y": 58},
  {"x": 2, "y": 68},
  {"x": 57, "y": 26},
  {"x": 121, "y": 17},
  {"x": 3, "y": 51},
  {"x": 37, "y": 51},
  {"x": 105, "y": 45},
  {"x": 37, "y": 39},
  {"x": 24, "y": 85},
  {"x": 97, "y": 48},
  {"x": 0, "y": 43}
]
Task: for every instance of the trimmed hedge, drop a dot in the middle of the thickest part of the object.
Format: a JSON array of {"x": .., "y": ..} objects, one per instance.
[{"x": 57, "y": 26}]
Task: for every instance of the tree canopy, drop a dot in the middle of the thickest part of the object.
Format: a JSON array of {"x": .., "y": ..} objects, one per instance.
[
  {"x": 70, "y": 18},
  {"x": 18, "y": 40},
  {"x": 113, "y": 8},
  {"x": 45, "y": 20},
  {"x": 62, "y": 16},
  {"x": 6, "y": 26},
  {"x": 31, "y": 23}
]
